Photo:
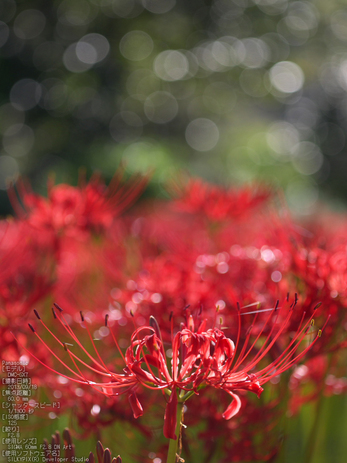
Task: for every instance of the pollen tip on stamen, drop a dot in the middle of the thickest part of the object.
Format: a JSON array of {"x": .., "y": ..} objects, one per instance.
[
  {"x": 67, "y": 436},
  {"x": 131, "y": 313},
  {"x": 171, "y": 315},
  {"x": 99, "y": 449},
  {"x": 107, "y": 456},
  {"x": 57, "y": 307},
  {"x": 106, "y": 319},
  {"x": 312, "y": 322},
  {"x": 154, "y": 324},
  {"x": 37, "y": 315},
  {"x": 53, "y": 312},
  {"x": 287, "y": 297},
  {"x": 190, "y": 323},
  {"x": 186, "y": 307},
  {"x": 238, "y": 306},
  {"x": 81, "y": 314},
  {"x": 65, "y": 346},
  {"x": 277, "y": 304},
  {"x": 317, "y": 305},
  {"x": 319, "y": 333},
  {"x": 32, "y": 328}
]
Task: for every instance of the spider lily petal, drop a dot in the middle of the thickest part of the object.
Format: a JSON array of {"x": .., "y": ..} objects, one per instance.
[
  {"x": 135, "y": 405},
  {"x": 233, "y": 408}
]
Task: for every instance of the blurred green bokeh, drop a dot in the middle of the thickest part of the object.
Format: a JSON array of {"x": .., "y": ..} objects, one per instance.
[{"x": 232, "y": 90}]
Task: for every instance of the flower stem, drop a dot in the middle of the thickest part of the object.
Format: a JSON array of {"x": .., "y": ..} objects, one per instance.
[
  {"x": 312, "y": 439},
  {"x": 173, "y": 444}
]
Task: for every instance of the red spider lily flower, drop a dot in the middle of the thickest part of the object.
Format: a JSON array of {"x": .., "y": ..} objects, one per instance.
[
  {"x": 217, "y": 203},
  {"x": 206, "y": 357},
  {"x": 200, "y": 358},
  {"x": 27, "y": 277},
  {"x": 89, "y": 207}
]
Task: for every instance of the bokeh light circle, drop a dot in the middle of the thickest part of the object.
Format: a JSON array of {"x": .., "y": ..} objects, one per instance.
[
  {"x": 4, "y": 33},
  {"x": 18, "y": 140},
  {"x": 136, "y": 45},
  {"x": 72, "y": 62},
  {"x": 158, "y": 6},
  {"x": 171, "y": 65},
  {"x": 287, "y": 77},
  {"x": 92, "y": 48},
  {"x": 25, "y": 94},
  {"x": 161, "y": 107},
  {"x": 202, "y": 134},
  {"x": 9, "y": 171},
  {"x": 29, "y": 24},
  {"x": 308, "y": 158}
]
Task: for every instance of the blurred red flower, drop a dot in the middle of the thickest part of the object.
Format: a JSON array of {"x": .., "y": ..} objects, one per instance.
[{"x": 91, "y": 206}]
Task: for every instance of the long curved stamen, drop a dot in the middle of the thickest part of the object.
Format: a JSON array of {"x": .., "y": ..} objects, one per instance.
[
  {"x": 115, "y": 340},
  {"x": 44, "y": 364},
  {"x": 96, "y": 351},
  {"x": 264, "y": 350},
  {"x": 238, "y": 332},
  {"x": 244, "y": 347},
  {"x": 268, "y": 338},
  {"x": 66, "y": 326},
  {"x": 298, "y": 334},
  {"x": 286, "y": 364},
  {"x": 104, "y": 372}
]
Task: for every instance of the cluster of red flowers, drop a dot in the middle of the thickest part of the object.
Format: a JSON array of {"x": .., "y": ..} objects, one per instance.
[{"x": 212, "y": 289}]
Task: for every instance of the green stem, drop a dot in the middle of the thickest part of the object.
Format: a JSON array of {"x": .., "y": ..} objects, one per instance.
[
  {"x": 312, "y": 440},
  {"x": 186, "y": 396},
  {"x": 173, "y": 444}
]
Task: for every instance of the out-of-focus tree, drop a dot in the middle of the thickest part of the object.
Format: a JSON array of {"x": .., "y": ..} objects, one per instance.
[{"x": 232, "y": 90}]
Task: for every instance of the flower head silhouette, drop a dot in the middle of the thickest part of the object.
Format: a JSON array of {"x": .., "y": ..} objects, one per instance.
[{"x": 92, "y": 206}]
